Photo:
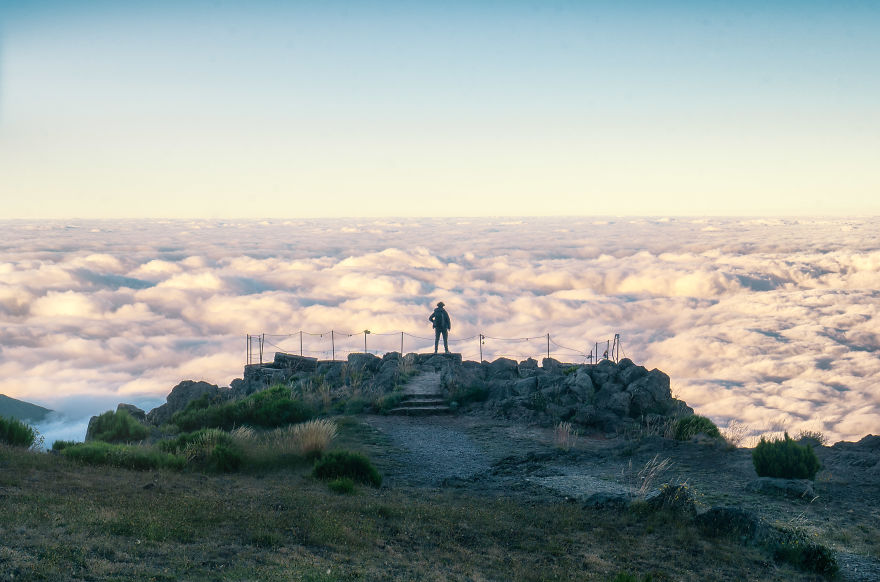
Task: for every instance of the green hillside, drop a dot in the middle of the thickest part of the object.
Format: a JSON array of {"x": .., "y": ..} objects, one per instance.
[{"x": 10, "y": 407}]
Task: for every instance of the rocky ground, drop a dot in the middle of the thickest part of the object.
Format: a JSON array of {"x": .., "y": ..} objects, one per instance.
[{"x": 480, "y": 453}]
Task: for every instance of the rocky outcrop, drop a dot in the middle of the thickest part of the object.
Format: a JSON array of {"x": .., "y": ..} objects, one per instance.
[
  {"x": 135, "y": 412},
  {"x": 180, "y": 396},
  {"x": 604, "y": 396}
]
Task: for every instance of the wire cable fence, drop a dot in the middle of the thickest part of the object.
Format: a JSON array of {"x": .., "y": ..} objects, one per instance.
[{"x": 337, "y": 345}]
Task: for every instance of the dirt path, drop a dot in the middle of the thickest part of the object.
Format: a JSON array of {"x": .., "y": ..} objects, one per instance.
[{"x": 491, "y": 455}]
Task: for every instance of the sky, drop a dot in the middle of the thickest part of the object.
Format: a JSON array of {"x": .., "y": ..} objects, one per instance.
[
  {"x": 253, "y": 109},
  {"x": 773, "y": 324}
]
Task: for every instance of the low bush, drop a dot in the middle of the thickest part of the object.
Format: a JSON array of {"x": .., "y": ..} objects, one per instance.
[
  {"x": 210, "y": 448},
  {"x": 125, "y": 456},
  {"x": 342, "y": 464},
  {"x": 59, "y": 446},
  {"x": 687, "y": 427},
  {"x": 117, "y": 427},
  {"x": 385, "y": 403},
  {"x": 796, "y": 549},
  {"x": 784, "y": 458},
  {"x": 16, "y": 433},
  {"x": 343, "y": 485},
  {"x": 268, "y": 408}
]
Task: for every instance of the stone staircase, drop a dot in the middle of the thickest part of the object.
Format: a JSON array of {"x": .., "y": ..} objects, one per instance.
[{"x": 422, "y": 396}]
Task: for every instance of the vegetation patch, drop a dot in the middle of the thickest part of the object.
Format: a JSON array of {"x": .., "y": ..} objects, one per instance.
[
  {"x": 268, "y": 408},
  {"x": 686, "y": 427},
  {"x": 797, "y": 549},
  {"x": 124, "y": 456},
  {"x": 15, "y": 433},
  {"x": 117, "y": 427},
  {"x": 209, "y": 448},
  {"x": 784, "y": 458},
  {"x": 346, "y": 464},
  {"x": 59, "y": 446},
  {"x": 387, "y": 402}
]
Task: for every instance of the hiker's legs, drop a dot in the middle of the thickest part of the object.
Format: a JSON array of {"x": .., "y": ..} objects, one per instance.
[
  {"x": 437, "y": 339},
  {"x": 445, "y": 341}
]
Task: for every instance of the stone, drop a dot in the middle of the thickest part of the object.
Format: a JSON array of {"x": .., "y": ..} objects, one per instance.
[
  {"x": 503, "y": 368},
  {"x": 790, "y": 488},
  {"x": 604, "y": 500},
  {"x": 650, "y": 393},
  {"x": 294, "y": 362},
  {"x": 617, "y": 403},
  {"x": 525, "y": 386},
  {"x": 135, "y": 412},
  {"x": 728, "y": 521},
  {"x": 631, "y": 373},
  {"x": 560, "y": 412},
  {"x": 528, "y": 367},
  {"x": 360, "y": 362},
  {"x": 551, "y": 366},
  {"x": 180, "y": 396}
]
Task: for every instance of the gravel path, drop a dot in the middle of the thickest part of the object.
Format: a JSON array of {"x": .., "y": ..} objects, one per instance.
[{"x": 431, "y": 452}]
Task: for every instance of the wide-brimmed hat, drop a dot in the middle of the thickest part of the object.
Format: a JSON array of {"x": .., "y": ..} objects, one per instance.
[{"x": 440, "y": 304}]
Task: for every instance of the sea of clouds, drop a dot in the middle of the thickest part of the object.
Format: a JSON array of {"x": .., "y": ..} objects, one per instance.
[{"x": 770, "y": 323}]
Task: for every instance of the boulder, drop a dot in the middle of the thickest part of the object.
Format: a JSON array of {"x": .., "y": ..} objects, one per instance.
[
  {"x": 362, "y": 362},
  {"x": 560, "y": 412},
  {"x": 729, "y": 521},
  {"x": 551, "y": 366},
  {"x": 528, "y": 367},
  {"x": 525, "y": 386},
  {"x": 650, "y": 393},
  {"x": 631, "y": 373},
  {"x": 502, "y": 369},
  {"x": 135, "y": 412},
  {"x": 180, "y": 396},
  {"x": 500, "y": 390},
  {"x": 791, "y": 488},
  {"x": 617, "y": 403},
  {"x": 294, "y": 362},
  {"x": 581, "y": 382}
]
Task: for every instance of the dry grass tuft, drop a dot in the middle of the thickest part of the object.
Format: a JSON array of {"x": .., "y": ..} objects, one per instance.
[
  {"x": 565, "y": 436},
  {"x": 306, "y": 438},
  {"x": 642, "y": 481},
  {"x": 735, "y": 434}
]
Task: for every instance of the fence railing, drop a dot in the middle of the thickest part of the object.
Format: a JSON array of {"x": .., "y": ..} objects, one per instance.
[{"x": 333, "y": 345}]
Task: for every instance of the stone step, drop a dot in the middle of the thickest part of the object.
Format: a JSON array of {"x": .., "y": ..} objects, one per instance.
[
  {"x": 422, "y": 401},
  {"x": 420, "y": 410}
]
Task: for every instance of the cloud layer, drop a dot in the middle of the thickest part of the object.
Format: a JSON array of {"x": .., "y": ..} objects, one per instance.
[{"x": 766, "y": 322}]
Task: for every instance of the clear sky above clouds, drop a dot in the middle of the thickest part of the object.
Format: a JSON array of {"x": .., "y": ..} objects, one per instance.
[{"x": 297, "y": 109}]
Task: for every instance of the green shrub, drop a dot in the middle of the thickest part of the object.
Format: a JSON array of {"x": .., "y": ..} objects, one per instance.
[
  {"x": 798, "y": 550},
  {"x": 125, "y": 456},
  {"x": 356, "y": 405},
  {"x": 210, "y": 448},
  {"x": 785, "y": 459},
  {"x": 387, "y": 402},
  {"x": 687, "y": 427},
  {"x": 341, "y": 464},
  {"x": 117, "y": 427},
  {"x": 268, "y": 408},
  {"x": 59, "y": 446},
  {"x": 16, "y": 433},
  {"x": 344, "y": 485}
]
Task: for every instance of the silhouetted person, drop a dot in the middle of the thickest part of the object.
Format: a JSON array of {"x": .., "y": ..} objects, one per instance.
[{"x": 442, "y": 325}]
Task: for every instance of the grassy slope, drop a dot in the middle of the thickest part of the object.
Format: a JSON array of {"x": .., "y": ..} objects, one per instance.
[{"x": 62, "y": 521}]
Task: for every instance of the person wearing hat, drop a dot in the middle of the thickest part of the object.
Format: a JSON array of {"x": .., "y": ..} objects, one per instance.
[{"x": 442, "y": 325}]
